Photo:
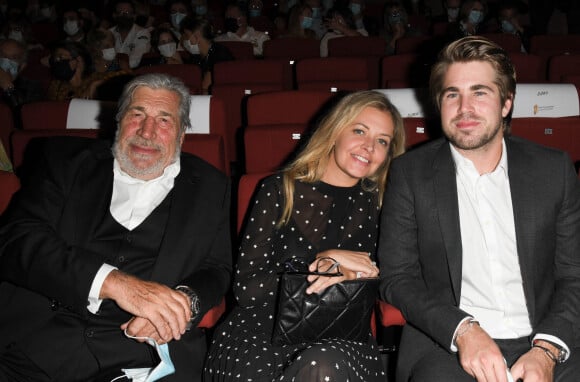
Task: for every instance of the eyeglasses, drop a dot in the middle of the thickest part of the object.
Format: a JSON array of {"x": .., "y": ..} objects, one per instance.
[{"x": 325, "y": 266}]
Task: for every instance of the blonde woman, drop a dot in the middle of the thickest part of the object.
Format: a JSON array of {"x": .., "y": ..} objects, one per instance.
[{"x": 326, "y": 203}]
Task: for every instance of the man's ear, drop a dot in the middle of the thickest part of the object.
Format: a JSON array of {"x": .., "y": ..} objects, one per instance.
[{"x": 507, "y": 106}]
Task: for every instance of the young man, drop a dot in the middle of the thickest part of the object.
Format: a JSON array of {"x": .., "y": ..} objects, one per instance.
[
  {"x": 104, "y": 244},
  {"x": 480, "y": 237}
]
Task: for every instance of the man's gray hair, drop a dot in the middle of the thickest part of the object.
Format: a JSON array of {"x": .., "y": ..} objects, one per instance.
[{"x": 157, "y": 81}]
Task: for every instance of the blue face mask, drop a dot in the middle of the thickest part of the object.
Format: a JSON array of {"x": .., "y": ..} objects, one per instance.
[
  {"x": 200, "y": 10},
  {"x": 164, "y": 368},
  {"x": 475, "y": 17},
  {"x": 452, "y": 13},
  {"x": 355, "y": 8},
  {"x": 507, "y": 27},
  {"x": 176, "y": 19},
  {"x": 255, "y": 12},
  {"x": 9, "y": 66},
  {"x": 316, "y": 13},
  {"x": 306, "y": 22}
]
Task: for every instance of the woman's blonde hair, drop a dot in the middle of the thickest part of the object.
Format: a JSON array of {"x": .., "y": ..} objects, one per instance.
[{"x": 310, "y": 164}]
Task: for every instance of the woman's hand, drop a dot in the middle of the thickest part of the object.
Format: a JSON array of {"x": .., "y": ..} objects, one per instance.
[{"x": 353, "y": 265}]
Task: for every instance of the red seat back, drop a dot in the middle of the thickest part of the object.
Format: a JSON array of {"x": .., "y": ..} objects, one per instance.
[
  {"x": 333, "y": 74},
  {"x": 10, "y": 184}
]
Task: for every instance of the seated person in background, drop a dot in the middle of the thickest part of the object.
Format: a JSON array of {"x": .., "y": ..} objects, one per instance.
[
  {"x": 74, "y": 76},
  {"x": 70, "y": 68},
  {"x": 73, "y": 26},
  {"x": 471, "y": 16},
  {"x": 101, "y": 44},
  {"x": 18, "y": 28},
  {"x": 300, "y": 22},
  {"x": 237, "y": 28},
  {"x": 164, "y": 48},
  {"x": 106, "y": 251},
  {"x": 177, "y": 10},
  {"x": 143, "y": 16},
  {"x": 319, "y": 12},
  {"x": 479, "y": 243},
  {"x": 510, "y": 22},
  {"x": 342, "y": 172},
  {"x": 357, "y": 8},
  {"x": 16, "y": 89},
  {"x": 340, "y": 23},
  {"x": 130, "y": 38},
  {"x": 197, "y": 38},
  {"x": 396, "y": 25}
]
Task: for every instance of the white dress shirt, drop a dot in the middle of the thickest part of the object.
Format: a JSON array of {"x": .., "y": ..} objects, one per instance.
[
  {"x": 135, "y": 45},
  {"x": 491, "y": 284},
  {"x": 256, "y": 38},
  {"x": 132, "y": 202}
]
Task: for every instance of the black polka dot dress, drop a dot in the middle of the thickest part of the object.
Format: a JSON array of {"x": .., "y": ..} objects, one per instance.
[{"x": 324, "y": 217}]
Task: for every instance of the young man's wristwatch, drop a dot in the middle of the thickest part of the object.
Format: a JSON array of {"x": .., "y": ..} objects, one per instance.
[
  {"x": 194, "y": 301},
  {"x": 559, "y": 357}
]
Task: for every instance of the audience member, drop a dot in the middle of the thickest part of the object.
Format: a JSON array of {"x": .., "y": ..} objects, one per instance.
[
  {"x": 479, "y": 237},
  {"x": 237, "y": 28},
  {"x": 164, "y": 48},
  {"x": 318, "y": 15},
  {"x": 15, "y": 88},
  {"x": 74, "y": 75},
  {"x": 177, "y": 11},
  {"x": 341, "y": 171},
  {"x": 18, "y": 28},
  {"x": 130, "y": 38},
  {"x": 396, "y": 25},
  {"x": 198, "y": 39},
  {"x": 73, "y": 26},
  {"x": 471, "y": 16},
  {"x": 38, "y": 11},
  {"x": 300, "y": 22},
  {"x": 108, "y": 250},
  {"x": 143, "y": 16},
  {"x": 357, "y": 8},
  {"x": 510, "y": 22},
  {"x": 340, "y": 23},
  {"x": 104, "y": 57}
]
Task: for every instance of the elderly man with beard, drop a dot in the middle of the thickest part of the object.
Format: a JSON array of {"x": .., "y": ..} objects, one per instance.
[{"x": 106, "y": 252}]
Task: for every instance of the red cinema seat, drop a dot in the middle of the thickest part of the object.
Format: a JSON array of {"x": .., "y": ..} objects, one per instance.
[
  {"x": 291, "y": 48},
  {"x": 241, "y": 50},
  {"x": 276, "y": 124},
  {"x": 10, "y": 184},
  {"x": 235, "y": 80},
  {"x": 333, "y": 74}
]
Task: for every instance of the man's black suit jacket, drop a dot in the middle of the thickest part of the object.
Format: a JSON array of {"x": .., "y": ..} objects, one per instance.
[
  {"x": 46, "y": 273},
  {"x": 420, "y": 249}
]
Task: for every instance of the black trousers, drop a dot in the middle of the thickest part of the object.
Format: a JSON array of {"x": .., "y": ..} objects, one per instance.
[
  {"x": 442, "y": 366},
  {"x": 15, "y": 366}
]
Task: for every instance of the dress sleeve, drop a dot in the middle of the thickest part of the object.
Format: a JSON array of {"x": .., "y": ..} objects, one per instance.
[{"x": 258, "y": 265}]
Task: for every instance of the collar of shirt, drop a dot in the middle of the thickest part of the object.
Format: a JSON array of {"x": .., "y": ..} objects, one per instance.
[
  {"x": 134, "y": 199},
  {"x": 467, "y": 170}
]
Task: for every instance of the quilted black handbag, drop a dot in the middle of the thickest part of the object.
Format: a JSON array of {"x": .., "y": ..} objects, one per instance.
[{"x": 342, "y": 310}]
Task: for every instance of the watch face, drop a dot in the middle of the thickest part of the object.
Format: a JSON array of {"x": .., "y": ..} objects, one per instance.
[{"x": 562, "y": 355}]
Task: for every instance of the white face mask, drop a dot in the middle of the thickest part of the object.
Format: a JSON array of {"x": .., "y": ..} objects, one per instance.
[
  {"x": 168, "y": 49},
  {"x": 147, "y": 374},
  {"x": 176, "y": 19},
  {"x": 46, "y": 12},
  {"x": 109, "y": 54},
  {"x": 9, "y": 66},
  {"x": 16, "y": 35},
  {"x": 71, "y": 27},
  {"x": 191, "y": 48}
]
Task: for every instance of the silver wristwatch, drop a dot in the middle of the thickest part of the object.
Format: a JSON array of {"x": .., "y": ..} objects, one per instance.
[{"x": 194, "y": 301}]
